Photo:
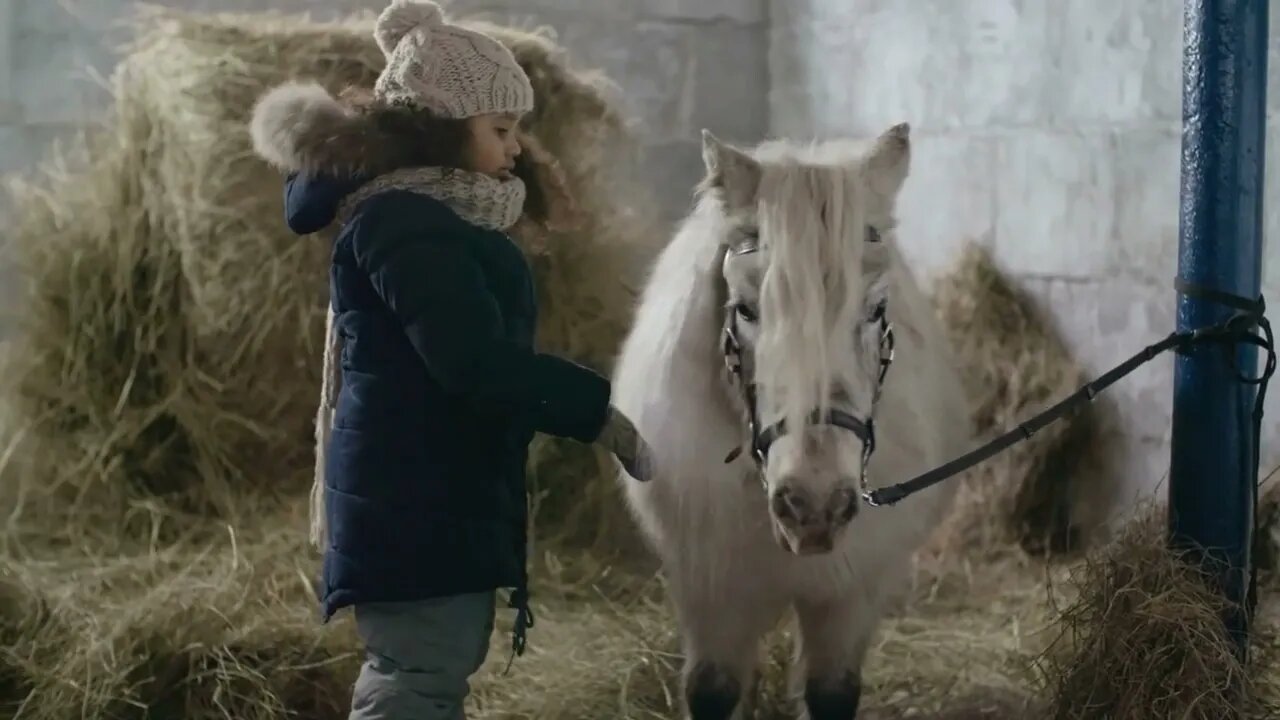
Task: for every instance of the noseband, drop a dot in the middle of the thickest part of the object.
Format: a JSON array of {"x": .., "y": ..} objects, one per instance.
[{"x": 763, "y": 438}]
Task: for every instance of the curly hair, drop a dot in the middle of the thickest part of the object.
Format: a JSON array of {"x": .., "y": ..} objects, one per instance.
[{"x": 430, "y": 140}]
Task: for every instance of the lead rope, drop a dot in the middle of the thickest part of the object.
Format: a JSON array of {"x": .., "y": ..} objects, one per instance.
[{"x": 1228, "y": 331}]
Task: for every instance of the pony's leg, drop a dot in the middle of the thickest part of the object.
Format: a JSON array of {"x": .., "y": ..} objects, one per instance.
[
  {"x": 721, "y": 637},
  {"x": 832, "y": 642}
]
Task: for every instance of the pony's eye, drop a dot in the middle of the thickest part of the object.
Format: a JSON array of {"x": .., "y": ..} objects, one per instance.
[{"x": 746, "y": 312}]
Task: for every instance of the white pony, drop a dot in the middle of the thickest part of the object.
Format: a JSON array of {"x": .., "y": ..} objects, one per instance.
[{"x": 777, "y": 292}]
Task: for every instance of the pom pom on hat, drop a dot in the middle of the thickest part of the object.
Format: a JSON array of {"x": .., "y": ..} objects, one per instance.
[{"x": 402, "y": 17}]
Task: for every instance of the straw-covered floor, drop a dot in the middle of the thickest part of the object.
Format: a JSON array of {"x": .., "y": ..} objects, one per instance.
[{"x": 158, "y": 445}]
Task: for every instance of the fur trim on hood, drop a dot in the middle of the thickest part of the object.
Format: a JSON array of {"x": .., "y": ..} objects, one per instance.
[{"x": 300, "y": 127}]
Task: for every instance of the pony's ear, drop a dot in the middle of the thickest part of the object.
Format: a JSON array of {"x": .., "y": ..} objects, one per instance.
[
  {"x": 890, "y": 159},
  {"x": 731, "y": 170}
]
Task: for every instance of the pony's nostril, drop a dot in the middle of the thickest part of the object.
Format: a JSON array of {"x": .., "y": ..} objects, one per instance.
[
  {"x": 789, "y": 505},
  {"x": 845, "y": 506}
]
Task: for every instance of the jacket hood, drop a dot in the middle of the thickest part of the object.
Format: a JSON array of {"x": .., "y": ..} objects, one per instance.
[
  {"x": 326, "y": 149},
  {"x": 301, "y": 128}
]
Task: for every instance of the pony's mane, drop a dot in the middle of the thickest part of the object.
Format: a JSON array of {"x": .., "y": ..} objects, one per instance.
[{"x": 812, "y": 221}]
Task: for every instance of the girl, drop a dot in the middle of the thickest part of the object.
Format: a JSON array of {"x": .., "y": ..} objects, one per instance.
[{"x": 423, "y": 506}]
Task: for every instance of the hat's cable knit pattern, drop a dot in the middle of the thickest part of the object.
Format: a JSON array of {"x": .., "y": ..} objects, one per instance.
[{"x": 446, "y": 69}]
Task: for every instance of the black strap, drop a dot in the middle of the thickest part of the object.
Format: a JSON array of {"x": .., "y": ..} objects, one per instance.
[
  {"x": 1254, "y": 308},
  {"x": 894, "y": 493}
]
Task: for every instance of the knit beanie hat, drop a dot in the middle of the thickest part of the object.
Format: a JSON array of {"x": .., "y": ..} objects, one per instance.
[{"x": 446, "y": 69}]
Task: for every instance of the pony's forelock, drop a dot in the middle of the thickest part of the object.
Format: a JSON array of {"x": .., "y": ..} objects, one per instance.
[{"x": 812, "y": 225}]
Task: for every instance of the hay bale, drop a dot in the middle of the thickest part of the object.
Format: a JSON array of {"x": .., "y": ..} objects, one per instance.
[
  {"x": 1014, "y": 366},
  {"x": 1143, "y": 637},
  {"x": 99, "y": 360},
  {"x": 169, "y": 337}
]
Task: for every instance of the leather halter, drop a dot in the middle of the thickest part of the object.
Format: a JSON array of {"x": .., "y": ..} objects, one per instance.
[{"x": 763, "y": 438}]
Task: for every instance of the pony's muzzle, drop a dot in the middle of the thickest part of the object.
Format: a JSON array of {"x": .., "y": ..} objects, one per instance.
[{"x": 805, "y": 527}]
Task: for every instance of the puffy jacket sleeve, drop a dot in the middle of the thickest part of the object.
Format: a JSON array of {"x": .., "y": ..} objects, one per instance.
[{"x": 436, "y": 289}]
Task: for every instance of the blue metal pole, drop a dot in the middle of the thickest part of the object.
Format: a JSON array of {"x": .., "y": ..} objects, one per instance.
[{"x": 1212, "y": 475}]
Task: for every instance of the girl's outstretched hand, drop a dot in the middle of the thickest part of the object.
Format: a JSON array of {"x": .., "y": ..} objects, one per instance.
[{"x": 622, "y": 439}]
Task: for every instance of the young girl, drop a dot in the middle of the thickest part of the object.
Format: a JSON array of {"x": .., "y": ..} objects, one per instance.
[{"x": 423, "y": 506}]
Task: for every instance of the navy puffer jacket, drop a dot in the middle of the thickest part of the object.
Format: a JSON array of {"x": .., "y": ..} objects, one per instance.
[{"x": 442, "y": 389}]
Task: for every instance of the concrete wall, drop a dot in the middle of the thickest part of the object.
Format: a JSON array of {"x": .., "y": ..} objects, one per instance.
[
  {"x": 1047, "y": 131},
  {"x": 667, "y": 56}
]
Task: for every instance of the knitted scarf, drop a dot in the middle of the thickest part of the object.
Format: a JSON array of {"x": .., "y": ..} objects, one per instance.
[{"x": 478, "y": 199}]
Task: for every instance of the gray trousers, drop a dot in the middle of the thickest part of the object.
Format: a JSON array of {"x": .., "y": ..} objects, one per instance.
[{"x": 419, "y": 656}]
